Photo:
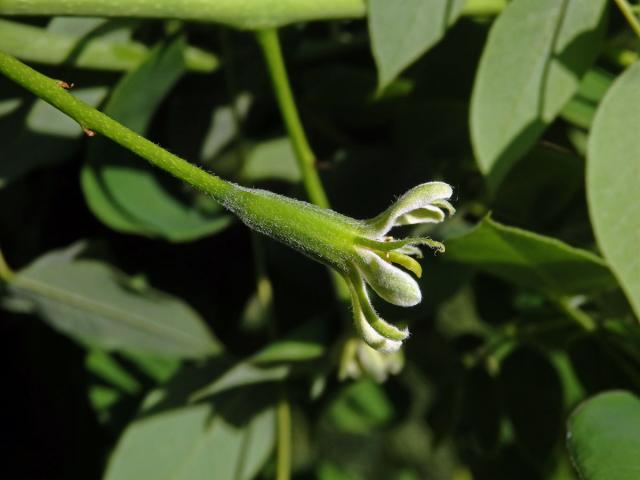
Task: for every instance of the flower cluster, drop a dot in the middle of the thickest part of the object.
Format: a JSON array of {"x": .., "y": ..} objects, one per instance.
[{"x": 360, "y": 250}]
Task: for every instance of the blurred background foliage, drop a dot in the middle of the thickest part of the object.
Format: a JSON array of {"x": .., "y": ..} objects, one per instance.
[{"x": 171, "y": 330}]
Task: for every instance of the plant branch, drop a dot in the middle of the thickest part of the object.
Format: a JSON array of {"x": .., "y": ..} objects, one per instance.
[
  {"x": 575, "y": 313},
  {"x": 483, "y": 7},
  {"x": 93, "y": 121},
  {"x": 283, "y": 461},
  {"x": 243, "y": 14},
  {"x": 628, "y": 13},
  {"x": 270, "y": 44}
]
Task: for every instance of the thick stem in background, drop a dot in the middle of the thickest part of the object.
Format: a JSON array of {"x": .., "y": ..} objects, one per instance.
[
  {"x": 268, "y": 40},
  {"x": 243, "y": 14},
  {"x": 574, "y": 313},
  {"x": 92, "y": 120}
]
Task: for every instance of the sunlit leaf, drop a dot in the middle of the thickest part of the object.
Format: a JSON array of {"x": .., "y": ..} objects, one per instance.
[
  {"x": 613, "y": 172},
  {"x": 97, "y": 305},
  {"x": 402, "y": 30},
  {"x": 532, "y": 260},
  {"x": 535, "y": 57},
  {"x": 229, "y": 436}
]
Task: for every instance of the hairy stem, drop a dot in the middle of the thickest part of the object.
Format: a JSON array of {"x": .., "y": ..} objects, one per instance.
[
  {"x": 268, "y": 40},
  {"x": 244, "y": 14},
  {"x": 628, "y": 13},
  {"x": 93, "y": 121}
]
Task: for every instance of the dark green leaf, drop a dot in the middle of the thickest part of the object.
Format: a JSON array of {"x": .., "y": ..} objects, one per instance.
[
  {"x": 536, "y": 54},
  {"x": 613, "y": 170},
  {"x": 98, "y": 305},
  {"x": 273, "y": 362},
  {"x": 402, "y": 30},
  {"x": 360, "y": 408},
  {"x": 604, "y": 437},
  {"x": 531, "y": 260},
  {"x": 582, "y": 108},
  {"x": 118, "y": 380},
  {"x": 126, "y": 193}
]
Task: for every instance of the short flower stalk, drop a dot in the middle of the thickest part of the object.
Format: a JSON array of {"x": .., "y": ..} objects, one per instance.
[{"x": 361, "y": 251}]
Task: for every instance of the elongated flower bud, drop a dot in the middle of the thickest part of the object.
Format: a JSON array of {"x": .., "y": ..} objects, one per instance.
[{"x": 360, "y": 250}]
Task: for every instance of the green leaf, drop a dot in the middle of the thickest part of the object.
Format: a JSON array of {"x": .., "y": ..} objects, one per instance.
[
  {"x": 274, "y": 362},
  {"x": 99, "y": 306},
  {"x": 530, "y": 260},
  {"x": 613, "y": 173},
  {"x": 535, "y": 56},
  {"x": 126, "y": 193},
  {"x": 582, "y": 108},
  {"x": 604, "y": 437},
  {"x": 271, "y": 160},
  {"x": 119, "y": 380},
  {"x": 360, "y": 407},
  {"x": 228, "y": 437},
  {"x": 86, "y": 43},
  {"x": 402, "y": 30}
]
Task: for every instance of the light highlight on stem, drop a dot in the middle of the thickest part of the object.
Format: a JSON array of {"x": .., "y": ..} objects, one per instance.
[{"x": 243, "y": 14}]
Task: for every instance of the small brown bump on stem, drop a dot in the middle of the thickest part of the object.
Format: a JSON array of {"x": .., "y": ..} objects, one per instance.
[
  {"x": 65, "y": 85},
  {"x": 88, "y": 132},
  {"x": 323, "y": 165}
]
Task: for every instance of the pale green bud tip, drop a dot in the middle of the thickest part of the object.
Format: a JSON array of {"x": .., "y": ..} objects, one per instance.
[
  {"x": 378, "y": 260},
  {"x": 426, "y": 203}
]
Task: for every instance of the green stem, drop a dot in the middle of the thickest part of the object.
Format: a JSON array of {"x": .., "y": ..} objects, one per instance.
[
  {"x": 628, "y": 13},
  {"x": 92, "y": 120},
  {"x": 283, "y": 463},
  {"x": 574, "y": 313},
  {"x": 6, "y": 274},
  {"x": 244, "y": 14},
  {"x": 270, "y": 44},
  {"x": 268, "y": 40}
]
